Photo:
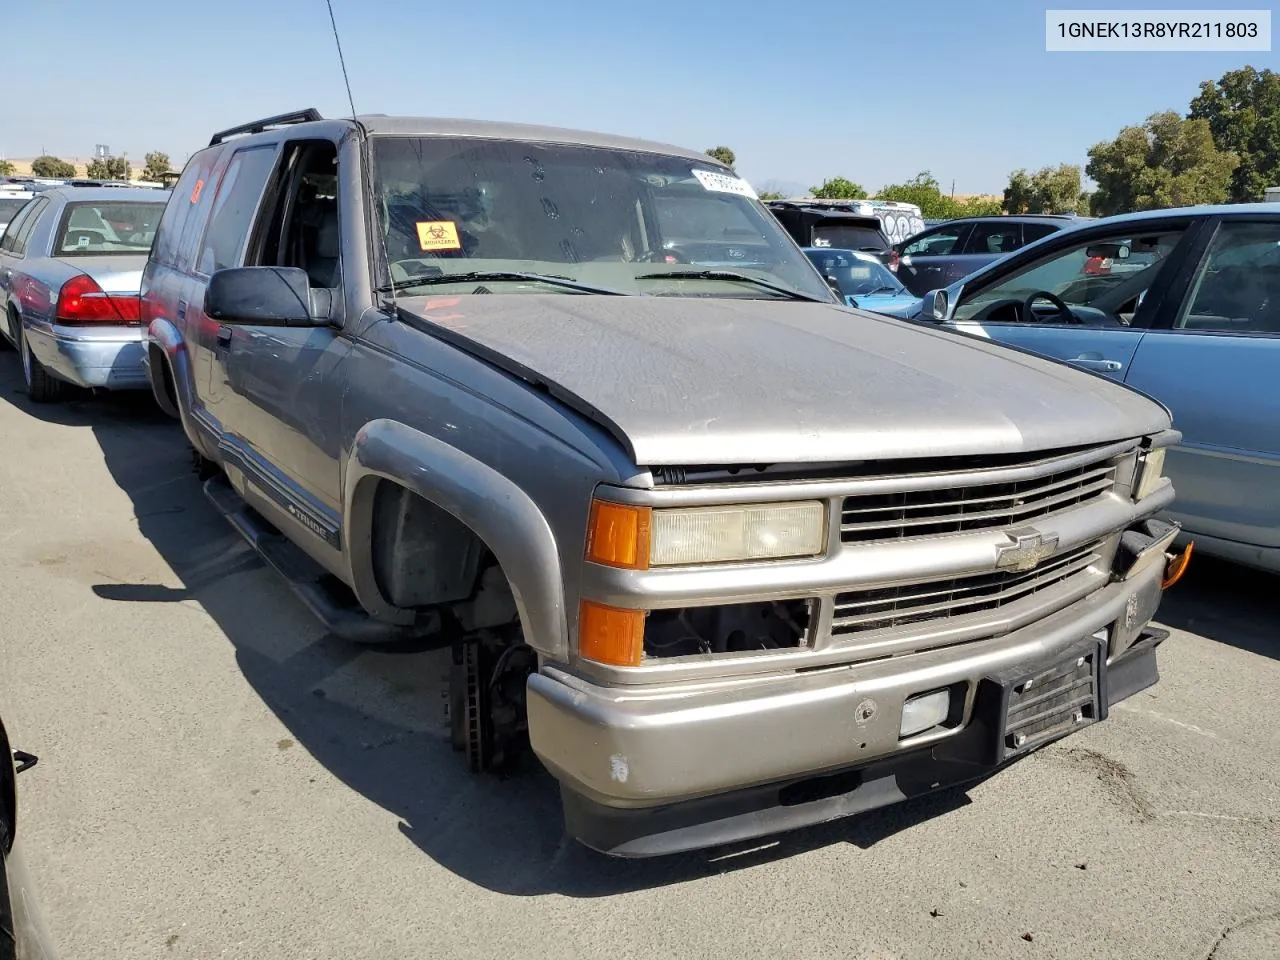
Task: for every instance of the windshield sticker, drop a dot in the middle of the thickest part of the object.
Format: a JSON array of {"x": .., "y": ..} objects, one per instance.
[
  {"x": 438, "y": 235},
  {"x": 720, "y": 183},
  {"x": 195, "y": 191}
]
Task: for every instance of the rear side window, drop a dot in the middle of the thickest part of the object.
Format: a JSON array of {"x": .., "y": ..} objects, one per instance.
[
  {"x": 233, "y": 210},
  {"x": 998, "y": 238},
  {"x": 1034, "y": 231},
  {"x": 11, "y": 232},
  {"x": 187, "y": 210},
  {"x": 18, "y": 239}
]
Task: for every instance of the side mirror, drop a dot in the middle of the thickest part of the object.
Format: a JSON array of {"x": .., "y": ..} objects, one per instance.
[
  {"x": 939, "y": 305},
  {"x": 265, "y": 296}
]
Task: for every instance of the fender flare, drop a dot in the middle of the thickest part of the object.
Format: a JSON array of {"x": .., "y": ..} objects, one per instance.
[
  {"x": 168, "y": 338},
  {"x": 497, "y": 511}
]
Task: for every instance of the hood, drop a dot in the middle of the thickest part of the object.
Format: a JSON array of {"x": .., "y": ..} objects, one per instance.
[
  {"x": 114, "y": 272},
  {"x": 683, "y": 381}
]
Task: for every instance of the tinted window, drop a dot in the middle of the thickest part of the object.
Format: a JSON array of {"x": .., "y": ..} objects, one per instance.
[
  {"x": 1237, "y": 286},
  {"x": 997, "y": 238},
  {"x": 1034, "y": 231},
  {"x": 23, "y": 233},
  {"x": 238, "y": 195},
  {"x": 186, "y": 210},
  {"x": 101, "y": 228},
  {"x": 11, "y": 232},
  {"x": 936, "y": 243},
  {"x": 849, "y": 237},
  {"x": 9, "y": 206}
]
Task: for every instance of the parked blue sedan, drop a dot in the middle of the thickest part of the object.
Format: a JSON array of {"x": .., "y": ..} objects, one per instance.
[
  {"x": 70, "y": 266},
  {"x": 1183, "y": 305},
  {"x": 864, "y": 281}
]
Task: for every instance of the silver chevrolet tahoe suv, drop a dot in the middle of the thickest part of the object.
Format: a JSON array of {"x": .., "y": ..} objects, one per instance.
[{"x": 728, "y": 556}]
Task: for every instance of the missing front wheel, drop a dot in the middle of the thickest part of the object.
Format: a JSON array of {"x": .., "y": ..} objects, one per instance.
[{"x": 487, "y": 698}]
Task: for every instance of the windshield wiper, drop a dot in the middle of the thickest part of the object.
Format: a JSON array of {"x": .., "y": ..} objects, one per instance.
[
  {"x": 731, "y": 275},
  {"x": 881, "y": 290},
  {"x": 498, "y": 276}
]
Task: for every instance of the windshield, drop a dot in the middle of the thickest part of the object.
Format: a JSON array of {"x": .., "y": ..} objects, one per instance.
[
  {"x": 858, "y": 276},
  {"x": 631, "y": 222},
  {"x": 91, "y": 228}
]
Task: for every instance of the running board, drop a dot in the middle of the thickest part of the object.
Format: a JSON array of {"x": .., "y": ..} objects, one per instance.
[{"x": 325, "y": 595}]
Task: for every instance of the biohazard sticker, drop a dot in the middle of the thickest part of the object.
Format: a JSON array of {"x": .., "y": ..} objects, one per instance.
[
  {"x": 721, "y": 183},
  {"x": 438, "y": 235}
]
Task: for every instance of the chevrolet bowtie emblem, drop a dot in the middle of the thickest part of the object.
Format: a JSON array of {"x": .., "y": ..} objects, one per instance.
[{"x": 1028, "y": 548}]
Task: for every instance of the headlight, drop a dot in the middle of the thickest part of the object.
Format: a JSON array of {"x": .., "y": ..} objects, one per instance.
[
  {"x": 767, "y": 531},
  {"x": 635, "y": 538},
  {"x": 1150, "y": 473}
]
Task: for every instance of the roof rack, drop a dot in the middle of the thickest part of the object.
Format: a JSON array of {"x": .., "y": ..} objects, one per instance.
[{"x": 258, "y": 126}]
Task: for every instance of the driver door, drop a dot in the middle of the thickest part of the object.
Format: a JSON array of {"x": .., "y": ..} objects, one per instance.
[{"x": 1088, "y": 299}]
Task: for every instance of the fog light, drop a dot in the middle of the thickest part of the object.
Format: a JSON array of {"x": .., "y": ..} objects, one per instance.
[{"x": 924, "y": 711}]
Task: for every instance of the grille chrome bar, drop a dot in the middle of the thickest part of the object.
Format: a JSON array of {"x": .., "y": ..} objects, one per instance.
[
  {"x": 920, "y": 513},
  {"x": 862, "y": 610}
]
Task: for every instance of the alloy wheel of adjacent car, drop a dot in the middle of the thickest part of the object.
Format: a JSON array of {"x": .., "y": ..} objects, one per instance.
[{"x": 42, "y": 386}]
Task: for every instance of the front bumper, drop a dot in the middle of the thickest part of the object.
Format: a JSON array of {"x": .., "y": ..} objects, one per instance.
[
  {"x": 112, "y": 358},
  {"x": 652, "y": 770}
]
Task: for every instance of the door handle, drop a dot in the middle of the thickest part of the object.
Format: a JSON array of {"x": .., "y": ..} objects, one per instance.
[
  {"x": 182, "y": 310},
  {"x": 1097, "y": 363},
  {"x": 224, "y": 336}
]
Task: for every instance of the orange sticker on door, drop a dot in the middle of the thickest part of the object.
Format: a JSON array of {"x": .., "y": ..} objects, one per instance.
[
  {"x": 195, "y": 191},
  {"x": 438, "y": 235}
]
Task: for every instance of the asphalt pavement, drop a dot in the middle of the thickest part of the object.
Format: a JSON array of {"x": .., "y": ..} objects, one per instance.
[{"x": 218, "y": 778}]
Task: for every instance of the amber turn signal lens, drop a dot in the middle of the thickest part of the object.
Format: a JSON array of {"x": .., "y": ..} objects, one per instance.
[
  {"x": 618, "y": 535},
  {"x": 1176, "y": 567},
  {"x": 610, "y": 635}
]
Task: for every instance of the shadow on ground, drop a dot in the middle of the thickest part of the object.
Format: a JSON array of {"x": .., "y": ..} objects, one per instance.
[
  {"x": 1227, "y": 603},
  {"x": 335, "y": 698}
]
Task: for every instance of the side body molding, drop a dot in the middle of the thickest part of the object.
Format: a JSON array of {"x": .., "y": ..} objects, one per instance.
[{"x": 495, "y": 509}]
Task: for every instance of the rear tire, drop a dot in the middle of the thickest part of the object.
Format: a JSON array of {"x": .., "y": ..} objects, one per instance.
[{"x": 42, "y": 386}]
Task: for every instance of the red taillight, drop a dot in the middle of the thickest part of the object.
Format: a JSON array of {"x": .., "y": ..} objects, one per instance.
[
  {"x": 1097, "y": 266},
  {"x": 894, "y": 259},
  {"x": 81, "y": 300}
]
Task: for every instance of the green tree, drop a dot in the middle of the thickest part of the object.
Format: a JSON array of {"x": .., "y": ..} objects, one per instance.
[
  {"x": 7, "y": 169},
  {"x": 922, "y": 190},
  {"x": 48, "y": 166},
  {"x": 156, "y": 165},
  {"x": 1048, "y": 190},
  {"x": 1169, "y": 161},
  {"x": 1243, "y": 112},
  {"x": 838, "y": 188},
  {"x": 772, "y": 195},
  {"x": 724, "y": 155},
  {"x": 109, "y": 168}
]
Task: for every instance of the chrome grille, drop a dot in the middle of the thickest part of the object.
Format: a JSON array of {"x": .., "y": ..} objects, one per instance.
[
  {"x": 857, "y": 611},
  {"x": 925, "y": 513}
]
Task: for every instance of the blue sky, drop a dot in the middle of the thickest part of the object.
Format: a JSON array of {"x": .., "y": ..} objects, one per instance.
[{"x": 871, "y": 91}]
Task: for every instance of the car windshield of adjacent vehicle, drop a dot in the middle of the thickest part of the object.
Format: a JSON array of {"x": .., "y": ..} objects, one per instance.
[
  {"x": 607, "y": 219},
  {"x": 107, "y": 227},
  {"x": 857, "y": 275}
]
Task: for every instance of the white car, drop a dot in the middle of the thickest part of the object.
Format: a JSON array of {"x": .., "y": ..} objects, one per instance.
[{"x": 11, "y": 201}]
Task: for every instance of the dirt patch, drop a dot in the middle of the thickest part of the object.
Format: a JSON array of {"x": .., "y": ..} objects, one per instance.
[{"x": 1120, "y": 782}]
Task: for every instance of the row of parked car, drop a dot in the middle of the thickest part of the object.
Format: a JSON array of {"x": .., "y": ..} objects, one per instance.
[
  {"x": 728, "y": 554},
  {"x": 1183, "y": 305}
]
